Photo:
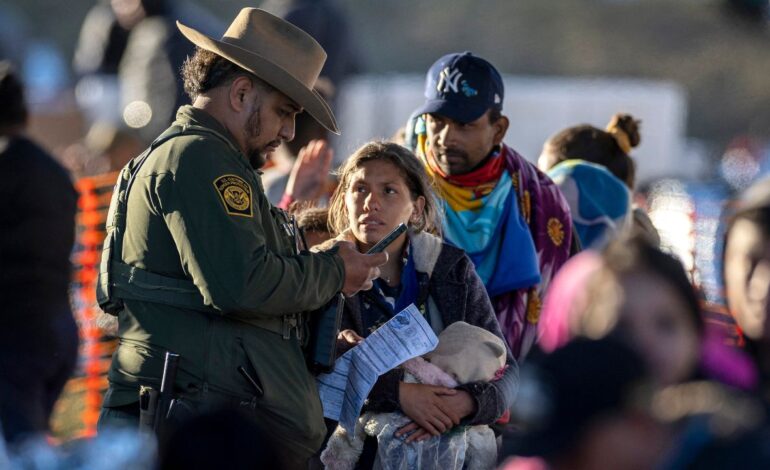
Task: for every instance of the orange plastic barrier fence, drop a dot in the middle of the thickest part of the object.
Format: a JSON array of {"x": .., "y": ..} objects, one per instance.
[{"x": 78, "y": 411}]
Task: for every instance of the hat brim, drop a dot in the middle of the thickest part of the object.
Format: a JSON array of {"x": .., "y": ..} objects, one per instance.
[
  {"x": 466, "y": 112},
  {"x": 271, "y": 73}
]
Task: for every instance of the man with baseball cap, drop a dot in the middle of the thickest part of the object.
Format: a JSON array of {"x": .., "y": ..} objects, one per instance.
[
  {"x": 198, "y": 263},
  {"x": 509, "y": 217}
]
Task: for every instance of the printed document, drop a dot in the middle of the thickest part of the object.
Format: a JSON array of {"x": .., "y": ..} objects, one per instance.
[{"x": 344, "y": 390}]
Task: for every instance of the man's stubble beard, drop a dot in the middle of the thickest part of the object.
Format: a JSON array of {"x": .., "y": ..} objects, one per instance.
[
  {"x": 445, "y": 166},
  {"x": 253, "y": 130}
]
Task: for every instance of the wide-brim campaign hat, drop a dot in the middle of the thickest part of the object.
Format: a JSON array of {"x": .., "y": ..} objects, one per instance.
[{"x": 276, "y": 51}]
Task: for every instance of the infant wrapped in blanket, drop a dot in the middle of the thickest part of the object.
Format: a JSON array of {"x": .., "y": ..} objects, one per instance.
[{"x": 465, "y": 354}]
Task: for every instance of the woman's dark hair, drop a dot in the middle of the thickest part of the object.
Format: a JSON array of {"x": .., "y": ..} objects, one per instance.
[
  {"x": 13, "y": 112},
  {"x": 312, "y": 219},
  {"x": 205, "y": 71},
  {"x": 609, "y": 148},
  {"x": 494, "y": 115},
  {"x": 636, "y": 254},
  {"x": 411, "y": 168}
]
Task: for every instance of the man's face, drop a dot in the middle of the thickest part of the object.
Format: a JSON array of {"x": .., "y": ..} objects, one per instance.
[
  {"x": 747, "y": 278},
  {"x": 269, "y": 121},
  {"x": 460, "y": 147}
]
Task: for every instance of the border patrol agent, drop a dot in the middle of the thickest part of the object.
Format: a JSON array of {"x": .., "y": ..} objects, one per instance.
[{"x": 197, "y": 262}]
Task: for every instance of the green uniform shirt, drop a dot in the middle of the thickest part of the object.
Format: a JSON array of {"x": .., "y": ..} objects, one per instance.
[{"x": 197, "y": 211}]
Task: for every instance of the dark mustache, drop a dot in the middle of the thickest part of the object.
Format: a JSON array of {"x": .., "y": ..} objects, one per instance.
[{"x": 452, "y": 153}]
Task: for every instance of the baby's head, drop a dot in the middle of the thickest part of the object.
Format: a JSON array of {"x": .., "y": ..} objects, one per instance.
[{"x": 468, "y": 353}]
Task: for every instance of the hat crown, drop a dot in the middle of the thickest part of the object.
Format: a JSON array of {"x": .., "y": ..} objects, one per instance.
[
  {"x": 279, "y": 41},
  {"x": 462, "y": 86},
  {"x": 277, "y": 52},
  {"x": 465, "y": 77}
]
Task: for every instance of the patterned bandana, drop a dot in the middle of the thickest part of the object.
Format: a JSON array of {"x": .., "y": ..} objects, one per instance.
[{"x": 483, "y": 218}]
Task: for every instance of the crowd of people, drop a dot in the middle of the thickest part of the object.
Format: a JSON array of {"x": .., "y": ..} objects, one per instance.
[{"x": 567, "y": 337}]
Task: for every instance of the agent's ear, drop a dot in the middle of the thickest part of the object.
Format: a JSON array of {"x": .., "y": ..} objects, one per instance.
[
  {"x": 417, "y": 211},
  {"x": 501, "y": 127},
  {"x": 239, "y": 92}
]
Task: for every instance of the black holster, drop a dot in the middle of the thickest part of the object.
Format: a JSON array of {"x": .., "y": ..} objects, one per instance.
[{"x": 324, "y": 326}]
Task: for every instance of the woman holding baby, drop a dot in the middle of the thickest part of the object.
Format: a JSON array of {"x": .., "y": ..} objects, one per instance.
[{"x": 381, "y": 186}]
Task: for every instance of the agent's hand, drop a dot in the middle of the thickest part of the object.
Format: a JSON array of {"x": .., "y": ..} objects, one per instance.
[
  {"x": 346, "y": 339},
  {"x": 310, "y": 170},
  {"x": 360, "y": 269},
  {"x": 423, "y": 404}
]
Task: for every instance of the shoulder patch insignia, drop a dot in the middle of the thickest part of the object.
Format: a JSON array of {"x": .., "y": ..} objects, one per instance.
[{"x": 235, "y": 194}]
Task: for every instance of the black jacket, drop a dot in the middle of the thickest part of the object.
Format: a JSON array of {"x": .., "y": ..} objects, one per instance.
[
  {"x": 449, "y": 284},
  {"x": 37, "y": 230}
]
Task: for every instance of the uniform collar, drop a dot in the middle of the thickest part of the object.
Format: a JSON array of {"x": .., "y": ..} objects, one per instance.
[{"x": 189, "y": 115}]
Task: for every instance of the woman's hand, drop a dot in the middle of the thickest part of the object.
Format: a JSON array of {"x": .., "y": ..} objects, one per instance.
[
  {"x": 346, "y": 339},
  {"x": 459, "y": 405},
  {"x": 419, "y": 434},
  {"x": 424, "y": 405}
]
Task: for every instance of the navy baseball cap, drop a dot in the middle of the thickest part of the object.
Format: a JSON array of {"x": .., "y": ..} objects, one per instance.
[{"x": 462, "y": 86}]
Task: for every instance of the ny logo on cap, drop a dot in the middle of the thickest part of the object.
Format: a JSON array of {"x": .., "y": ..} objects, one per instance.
[{"x": 448, "y": 80}]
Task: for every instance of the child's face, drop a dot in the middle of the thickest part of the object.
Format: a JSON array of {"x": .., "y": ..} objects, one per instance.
[
  {"x": 656, "y": 318},
  {"x": 378, "y": 200},
  {"x": 747, "y": 278}
]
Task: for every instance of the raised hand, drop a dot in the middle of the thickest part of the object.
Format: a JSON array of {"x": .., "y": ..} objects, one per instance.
[{"x": 308, "y": 175}]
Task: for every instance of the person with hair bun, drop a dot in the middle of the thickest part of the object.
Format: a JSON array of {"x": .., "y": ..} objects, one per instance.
[
  {"x": 610, "y": 147},
  {"x": 596, "y": 174}
]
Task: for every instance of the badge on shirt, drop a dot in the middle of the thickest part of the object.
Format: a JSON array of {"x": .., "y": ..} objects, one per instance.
[{"x": 235, "y": 194}]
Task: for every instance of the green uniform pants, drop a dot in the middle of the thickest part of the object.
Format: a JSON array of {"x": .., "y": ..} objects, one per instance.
[{"x": 289, "y": 413}]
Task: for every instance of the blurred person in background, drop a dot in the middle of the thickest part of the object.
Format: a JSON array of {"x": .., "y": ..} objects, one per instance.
[
  {"x": 644, "y": 295},
  {"x": 323, "y": 20},
  {"x": 599, "y": 200},
  {"x": 300, "y": 168},
  {"x": 747, "y": 274},
  {"x": 635, "y": 290},
  {"x": 38, "y": 334},
  {"x": 105, "y": 149},
  {"x": 510, "y": 218},
  {"x": 611, "y": 149},
  {"x": 586, "y": 407},
  {"x": 128, "y": 55},
  {"x": 595, "y": 404}
]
